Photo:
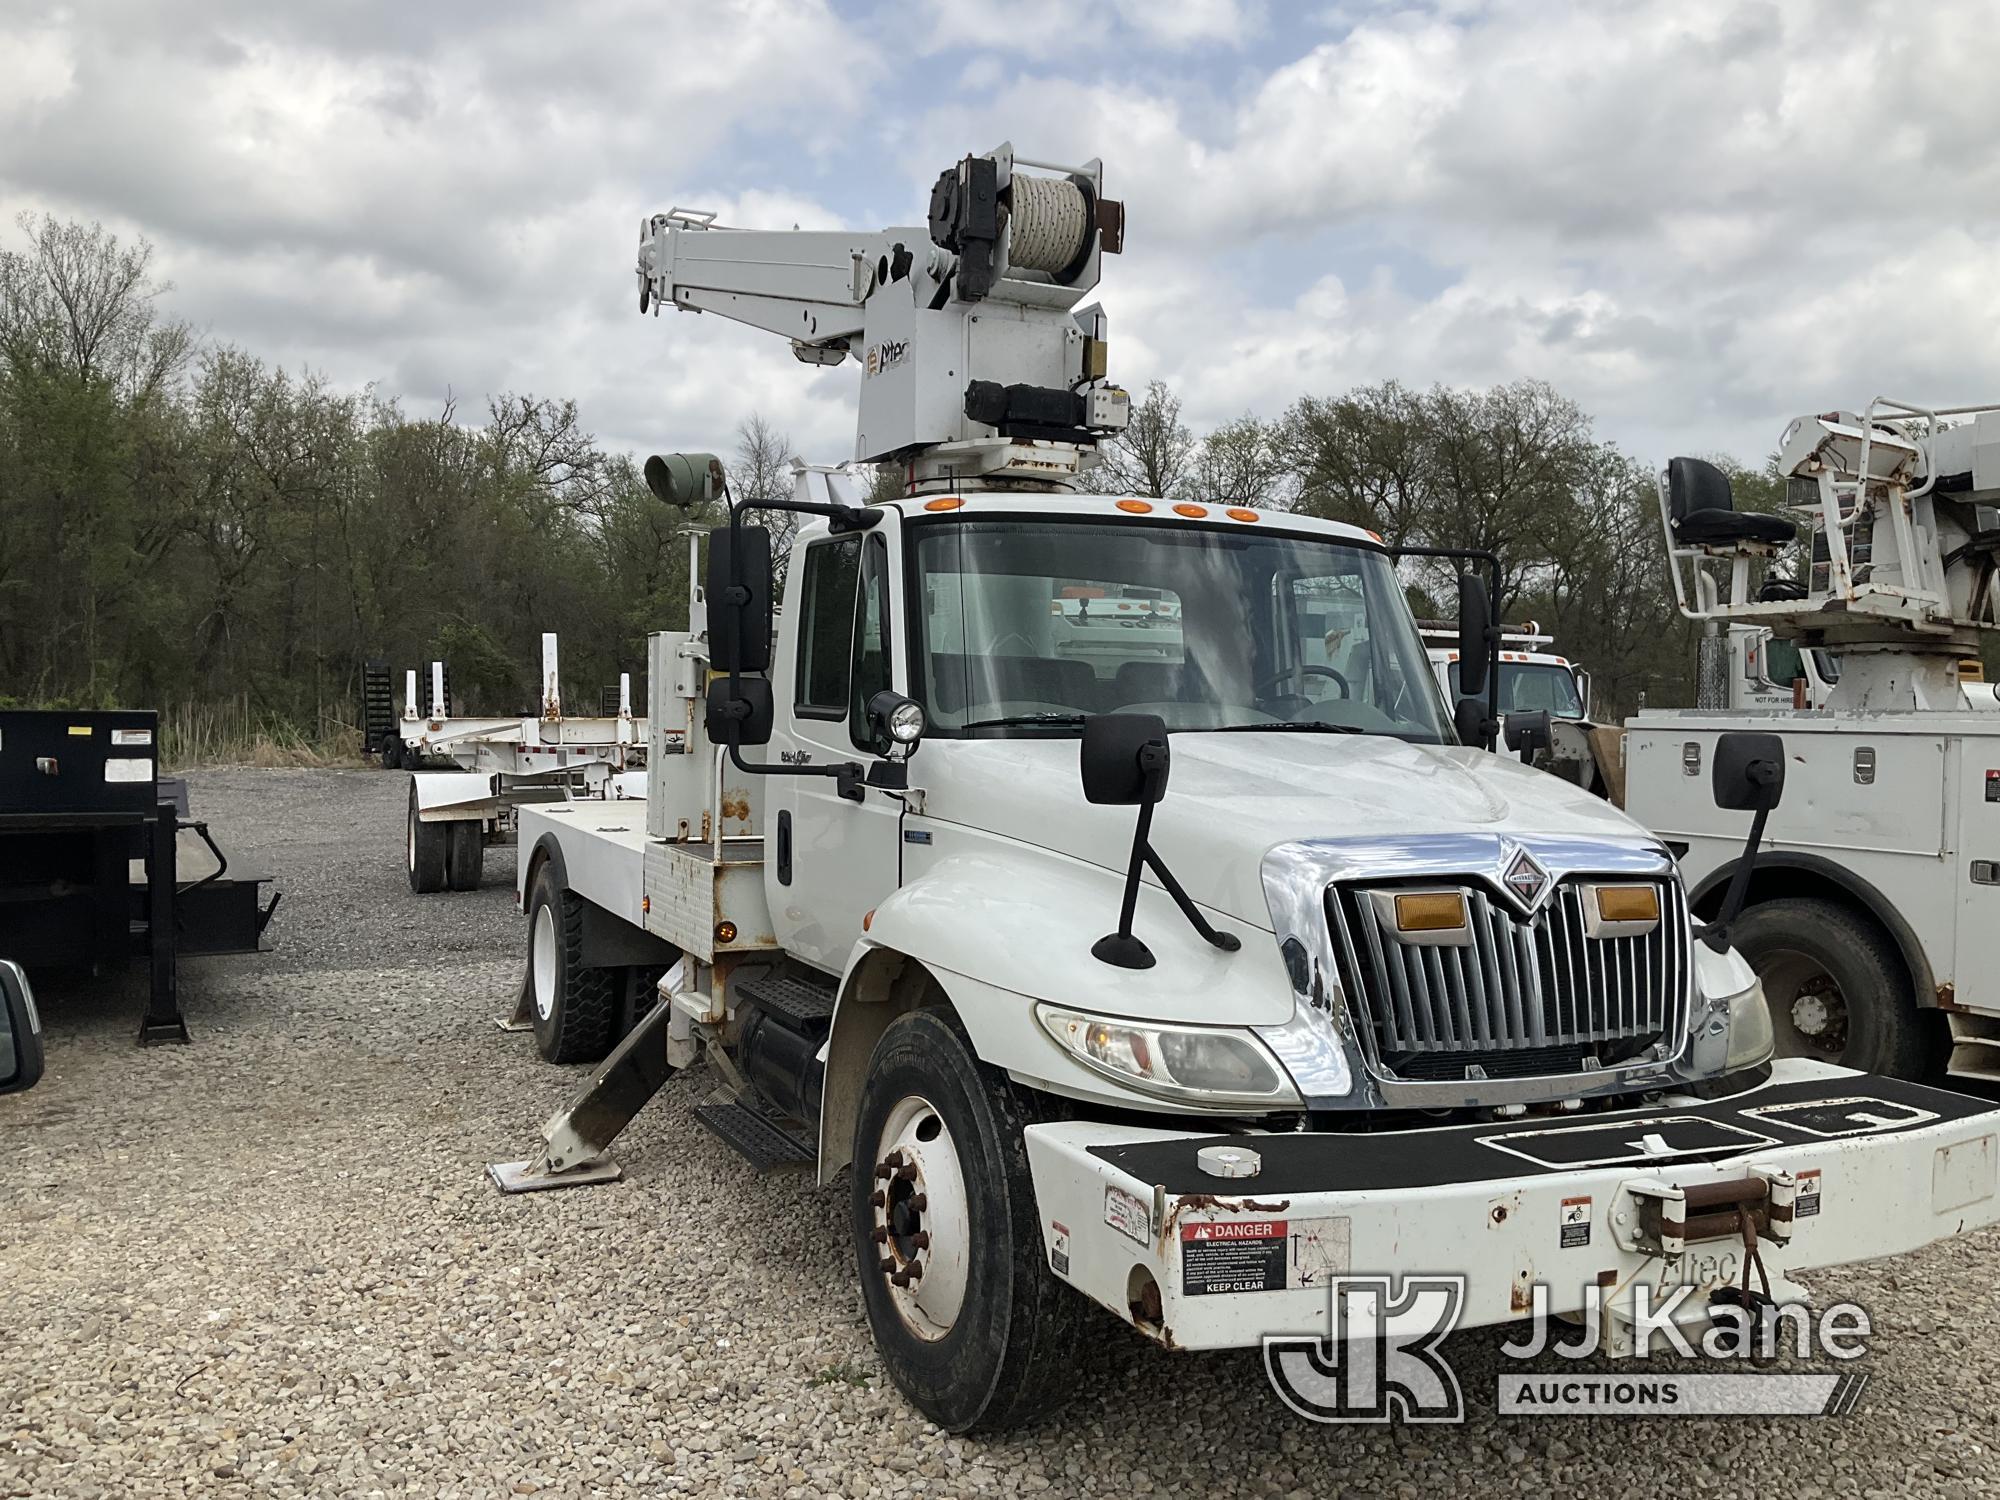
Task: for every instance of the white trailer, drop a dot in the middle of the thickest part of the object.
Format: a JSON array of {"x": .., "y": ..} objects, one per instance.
[
  {"x": 1871, "y": 907},
  {"x": 503, "y": 763},
  {"x": 1354, "y": 998}
]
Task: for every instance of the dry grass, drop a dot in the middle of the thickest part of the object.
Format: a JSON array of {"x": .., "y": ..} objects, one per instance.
[{"x": 235, "y": 734}]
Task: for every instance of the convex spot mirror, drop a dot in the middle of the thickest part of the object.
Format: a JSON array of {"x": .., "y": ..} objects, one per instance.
[
  {"x": 1749, "y": 771},
  {"x": 1529, "y": 732},
  {"x": 1124, "y": 759},
  {"x": 1475, "y": 621},
  {"x": 20, "y": 1030},
  {"x": 739, "y": 599},
  {"x": 744, "y": 717}
]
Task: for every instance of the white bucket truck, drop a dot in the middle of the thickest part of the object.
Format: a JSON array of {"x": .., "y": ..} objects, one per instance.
[
  {"x": 1177, "y": 984},
  {"x": 1871, "y": 908}
]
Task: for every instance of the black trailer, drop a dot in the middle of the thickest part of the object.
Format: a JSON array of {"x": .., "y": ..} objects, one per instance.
[{"x": 90, "y": 857}]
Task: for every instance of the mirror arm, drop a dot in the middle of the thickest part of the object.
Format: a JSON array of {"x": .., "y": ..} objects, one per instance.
[
  {"x": 1716, "y": 933},
  {"x": 1123, "y": 947}
]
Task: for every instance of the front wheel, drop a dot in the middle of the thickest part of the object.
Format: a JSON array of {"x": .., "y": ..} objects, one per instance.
[
  {"x": 1837, "y": 987},
  {"x": 971, "y": 1325}
]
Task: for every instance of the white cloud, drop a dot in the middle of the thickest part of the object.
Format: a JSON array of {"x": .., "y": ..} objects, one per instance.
[{"x": 1697, "y": 220}]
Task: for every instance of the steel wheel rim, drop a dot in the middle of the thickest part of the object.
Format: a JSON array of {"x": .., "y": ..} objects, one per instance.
[
  {"x": 1809, "y": 1013},
  {"x": 921, "y": 1238},
  {"x": 542, "y": 950}
]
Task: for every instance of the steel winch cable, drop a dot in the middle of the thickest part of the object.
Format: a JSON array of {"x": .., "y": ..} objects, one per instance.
[{"x": 1050, "y": 221}]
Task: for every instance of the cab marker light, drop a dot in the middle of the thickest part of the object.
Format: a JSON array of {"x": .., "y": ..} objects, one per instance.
[
  {"x": 1136, "y": 507},
  {"x": 1192, "y": 512}
]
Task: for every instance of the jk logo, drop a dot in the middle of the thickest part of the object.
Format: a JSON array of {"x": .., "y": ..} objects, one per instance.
[{"x": 1379, "y": 1360}]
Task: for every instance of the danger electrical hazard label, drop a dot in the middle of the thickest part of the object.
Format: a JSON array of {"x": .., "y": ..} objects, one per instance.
[
  {"x": 1239, "y": 1256},
  {"x": 1575, "y": 1222}
]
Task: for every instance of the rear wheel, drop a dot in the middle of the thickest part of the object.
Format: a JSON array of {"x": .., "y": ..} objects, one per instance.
[
  {"x": 576, "y": 1006},
  {"x": 971, "y": 1324},
  {"x": 1837, "y": 987},
  {"x": 465, "y": 854},
  {"x": 424, "y": 850}
]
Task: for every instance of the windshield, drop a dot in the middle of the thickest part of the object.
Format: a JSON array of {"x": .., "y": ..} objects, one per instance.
[
  {"x": 1526, "y": 687},
  {"x": 1038, "y": 623}
]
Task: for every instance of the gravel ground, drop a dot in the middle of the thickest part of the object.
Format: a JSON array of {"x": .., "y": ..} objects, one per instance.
[{"x": 268, "y": 1264}]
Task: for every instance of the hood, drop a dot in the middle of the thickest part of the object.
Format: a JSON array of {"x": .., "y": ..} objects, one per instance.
[{"x": 1233, "y": 797}]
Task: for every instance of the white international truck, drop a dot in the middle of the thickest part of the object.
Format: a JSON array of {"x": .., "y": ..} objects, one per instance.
[
  {"x": 1871, "y": 908},
  {"x": 1181, "y": 983}
]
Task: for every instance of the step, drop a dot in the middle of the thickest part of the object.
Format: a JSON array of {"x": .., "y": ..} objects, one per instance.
[
  {"x": 754, "y": 1136},
  {"x": 804, "y": 1004}
]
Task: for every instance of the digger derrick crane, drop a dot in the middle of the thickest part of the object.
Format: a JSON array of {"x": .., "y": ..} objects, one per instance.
[{"x": 978, "y": 368}]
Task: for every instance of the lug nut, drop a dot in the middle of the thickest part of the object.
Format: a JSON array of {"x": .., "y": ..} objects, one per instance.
[
  {"x": 921, "y": 1240},
  {"x": 878, "y": 1200},
  {"x": 886, "y": 1265},
  {"x": 884, "y": 1170},
  {"x": 906, "y": 1172},
  {"x": 881, "y": 1235},
  {"x": 920, "y": 1201}
]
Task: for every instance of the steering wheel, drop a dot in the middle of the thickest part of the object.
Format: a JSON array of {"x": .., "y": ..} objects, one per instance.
[{"x": 1304, "y": 669}]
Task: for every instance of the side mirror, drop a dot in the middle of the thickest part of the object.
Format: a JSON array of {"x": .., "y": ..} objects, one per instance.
[
  {"x": 20, "y": 1030},
  {"x": 1475, "y": 639},
  {"x": 1583, "y": 690},
  {"x": 743, "y": 718},
  {"x": 739, "y": 599},
  {"x": 1468, "y": 716},
  {"x": 1529, "y": 732},
  {"x": 1749, "y": 771},
  {"x": 1749, "y": 776},
  {"x": 1125, "y": 759}
]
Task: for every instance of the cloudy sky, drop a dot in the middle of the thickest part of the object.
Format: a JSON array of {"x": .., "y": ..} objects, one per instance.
[{"x": 1696, "y": 218}]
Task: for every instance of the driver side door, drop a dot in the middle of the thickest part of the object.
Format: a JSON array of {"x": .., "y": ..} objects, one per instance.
[{"x": 832, "y": 859}]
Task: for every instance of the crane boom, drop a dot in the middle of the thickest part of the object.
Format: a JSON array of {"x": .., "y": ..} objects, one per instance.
[{"x": 977, "y": 367}]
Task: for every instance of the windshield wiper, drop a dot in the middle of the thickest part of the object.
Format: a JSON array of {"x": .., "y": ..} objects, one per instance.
[
  {"x": 1013, "y": 719},
  {"x": 1306, "y": 726}
]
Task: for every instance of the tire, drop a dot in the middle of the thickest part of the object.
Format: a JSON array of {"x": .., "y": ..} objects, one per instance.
[
  {"x": 390, "y": 753},
  {"x": 994, "y": 1347},
  {"x": 575, "y": 1005},
  {"x": 424, "y": 850},
  {"x": 465, "y": 854},
  {"x": 1838, "y": 988}
]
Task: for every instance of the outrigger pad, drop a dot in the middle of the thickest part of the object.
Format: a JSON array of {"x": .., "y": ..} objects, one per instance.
[{"x": 532, "y": 1177}]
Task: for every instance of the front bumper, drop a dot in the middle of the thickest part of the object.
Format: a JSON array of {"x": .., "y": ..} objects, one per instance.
[{"x": 1871, "y": 1167}]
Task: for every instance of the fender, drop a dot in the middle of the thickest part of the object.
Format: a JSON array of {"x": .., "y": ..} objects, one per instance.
[
  {"x": 547, "y": 850},
  {"x": 1001, "y": 926},
  {"x": 1823, "y": 871}
]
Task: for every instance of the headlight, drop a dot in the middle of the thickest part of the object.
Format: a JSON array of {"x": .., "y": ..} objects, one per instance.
[
  {"x": 1750, "y": 1037},
  {"x": 1205, "y": 1065}
]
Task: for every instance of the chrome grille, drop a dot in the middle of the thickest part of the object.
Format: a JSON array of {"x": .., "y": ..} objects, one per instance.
[{"x": 1523, "y": 985}]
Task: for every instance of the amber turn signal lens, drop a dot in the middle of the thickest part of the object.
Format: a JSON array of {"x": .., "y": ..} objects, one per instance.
[
  {"x": 1431, "y": 911},
  {"x": 1628, "y": 903},
  {"x": 949, "y": 502},
  {"x": 1241, "y": 515},
  {"x": 1136, "y": 507},
  {"x": 1192, "y": 512},
  {"x": 725, "y": 932}
]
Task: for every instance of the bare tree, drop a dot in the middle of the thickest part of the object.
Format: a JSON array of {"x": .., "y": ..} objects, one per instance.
[
  {"x": 1239, "y": 464},
  {"x": 77, "y": 302}
]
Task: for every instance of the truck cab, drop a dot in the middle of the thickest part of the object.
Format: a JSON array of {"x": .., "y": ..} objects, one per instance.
[{"x": 1531, "y": 680}]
